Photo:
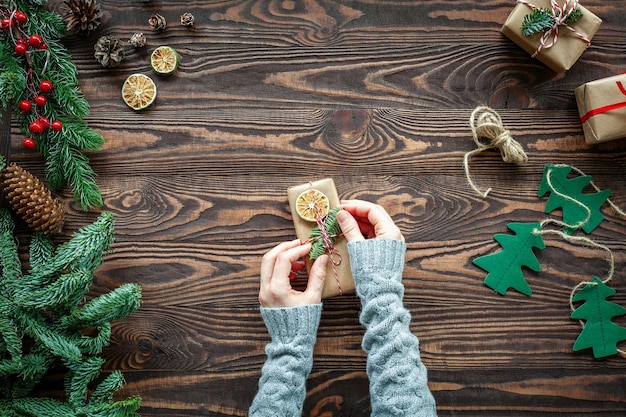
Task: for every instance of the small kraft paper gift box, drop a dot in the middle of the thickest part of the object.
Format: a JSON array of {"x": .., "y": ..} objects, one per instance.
[
  {"x": 556, "y": 32},
  {"x": 602, "y": 109},
  {"x": 309, "y": 202}
]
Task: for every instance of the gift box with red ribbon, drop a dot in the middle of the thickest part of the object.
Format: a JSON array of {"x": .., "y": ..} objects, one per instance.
[
  {"x": 602, "y": 109},
  {"x": 556, "y": 32}
]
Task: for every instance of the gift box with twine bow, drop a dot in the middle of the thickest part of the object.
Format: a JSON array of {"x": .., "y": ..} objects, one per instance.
[
  {"x": 556, "y": 32},
  {"x": 338, "y": 272}
]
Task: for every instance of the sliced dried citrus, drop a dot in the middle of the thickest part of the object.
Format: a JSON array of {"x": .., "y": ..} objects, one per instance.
[
  {"x": 164, "y": 60},
  {"x": 138, "y": 91},
  {"x": 312, "y": 204}
]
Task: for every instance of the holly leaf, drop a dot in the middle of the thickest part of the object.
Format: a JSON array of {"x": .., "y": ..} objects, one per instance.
[
  {"x": 505, "y": 267},
  {"x": 599, "y": 332},
  {"x": 580, "y": 207}
]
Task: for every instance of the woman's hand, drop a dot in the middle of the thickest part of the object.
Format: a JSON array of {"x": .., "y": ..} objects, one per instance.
[
  {"x": 361, "y": 219},
  {"x": 277, "y": 266}
]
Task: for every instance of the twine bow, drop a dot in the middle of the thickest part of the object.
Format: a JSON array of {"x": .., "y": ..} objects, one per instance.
[
  {"x": 487, "y": 124},
  {"x": 560, "y": 15}
]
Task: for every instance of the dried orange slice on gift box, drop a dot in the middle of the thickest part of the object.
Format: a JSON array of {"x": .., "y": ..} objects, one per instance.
[
  {"x": 138, "y": 91},
  {"x": 312, "y": 203},
  {"x": 164, "y": 60}
]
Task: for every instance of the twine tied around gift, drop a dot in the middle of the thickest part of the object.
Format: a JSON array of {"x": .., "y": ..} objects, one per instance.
[
  {"x": 579, "y": 239},
  {"x": 486, "y": 124},
  {"x": 560, "y": 14},
  {"x": 608, "y": 108},
  {"x": 327, "y": 240}
]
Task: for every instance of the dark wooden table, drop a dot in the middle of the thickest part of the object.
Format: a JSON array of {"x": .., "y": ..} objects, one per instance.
[{"x": 377, "y": 95}]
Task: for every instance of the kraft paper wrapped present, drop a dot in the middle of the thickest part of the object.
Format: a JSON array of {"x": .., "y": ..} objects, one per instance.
[
  {"x": 602, "y": 109},
  {"x": 338, "y": 277},
  {"x": 560, "y": 46}
]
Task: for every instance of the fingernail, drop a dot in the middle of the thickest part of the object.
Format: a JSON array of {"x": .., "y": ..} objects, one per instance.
[{"x": 342, "y": 216}]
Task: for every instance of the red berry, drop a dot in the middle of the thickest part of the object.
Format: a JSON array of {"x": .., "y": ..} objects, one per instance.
[
  {"x": 56, "y": 125},
  {"x": 43, "y": 46},
  {"x": 40, "y": 101},
  {"x": 20, "y": 49},
  {"x": 20, "y": 17},
  {"x": 35, "y": 40},
  {"x": 45, "y": 122},
  {"x": 45, "y": 86},
  {"x": 25, "y": 106},
  {"x": 28, "y": 143},
  {"x": 35, "y": 127},
  {"x": 6, "y": 24}
]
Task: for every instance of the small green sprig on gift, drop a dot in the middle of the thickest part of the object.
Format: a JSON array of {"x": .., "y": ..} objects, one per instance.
[
  {"x": 541, "y": 20},
  {"x": 332, "y": 229}
]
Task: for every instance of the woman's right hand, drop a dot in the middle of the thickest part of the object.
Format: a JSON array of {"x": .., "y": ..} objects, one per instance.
[{"x": 361, "y": 219}]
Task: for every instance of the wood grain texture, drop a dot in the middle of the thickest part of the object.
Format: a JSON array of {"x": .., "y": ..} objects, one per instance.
[{"x": 376, "y": 95}]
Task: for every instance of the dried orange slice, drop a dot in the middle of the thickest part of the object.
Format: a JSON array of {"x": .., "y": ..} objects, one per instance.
[
  {"x": 312, "y": 204},
  {"x": 164, "y": 60},
  {"x": 138, "y": 91}
]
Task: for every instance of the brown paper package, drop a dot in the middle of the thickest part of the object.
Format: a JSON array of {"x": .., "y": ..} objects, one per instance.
[
  {"x": 303, "y": 230},
  {"x": 567, "y": 49},
  {"x": 608, "y": 125}
]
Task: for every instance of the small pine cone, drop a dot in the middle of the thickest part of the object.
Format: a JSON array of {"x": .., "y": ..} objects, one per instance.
[
  {"x": 138, "y": 40},
  {"x": 157, "y": 22},
  {"x": 31, "y": 200},
  {"x": 109, "y": 51},
  {"x": 186, "y": 19},
  {"x": 82, "y": 16}
]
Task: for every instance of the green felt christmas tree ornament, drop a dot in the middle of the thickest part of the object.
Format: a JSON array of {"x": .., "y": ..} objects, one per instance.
[
  {"x": 599, "y": 332},
  {"x": 505, "y": 267},
  {"x": 47, "y": 321}
]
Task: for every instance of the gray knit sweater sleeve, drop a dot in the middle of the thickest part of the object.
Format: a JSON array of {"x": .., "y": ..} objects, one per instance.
[
  {"x": 398, "y": 381},
  {"x": 282, "y": 386}
]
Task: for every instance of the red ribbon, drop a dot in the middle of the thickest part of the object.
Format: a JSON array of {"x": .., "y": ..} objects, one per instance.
[{"x": 608, "y": 108}]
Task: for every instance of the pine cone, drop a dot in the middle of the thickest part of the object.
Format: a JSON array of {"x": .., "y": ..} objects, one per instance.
[
  {"x": 157, "y": 22},
  {"x": 109, "y": 51},
  {"x": 82, "y": 16},
  {"x": 137, "y": 40},
  {"x": 31, "y": 200},
  {"x": 186, "y": 19}
]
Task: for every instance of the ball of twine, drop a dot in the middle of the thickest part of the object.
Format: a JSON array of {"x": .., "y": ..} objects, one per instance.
[{"x": 488, "y": 133}]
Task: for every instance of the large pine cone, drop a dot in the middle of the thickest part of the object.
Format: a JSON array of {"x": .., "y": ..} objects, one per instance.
[
  {"x": 82, "y": 16},
  {"x": 30, "y": 199}
]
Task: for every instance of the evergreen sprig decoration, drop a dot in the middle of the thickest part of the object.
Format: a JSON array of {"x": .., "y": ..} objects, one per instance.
[
  {"x": 331, "y": 226},
  {"x": 21, "y": 75},
  {"x": 46, "y": 321},
  {"x": 541, "y": 20}
]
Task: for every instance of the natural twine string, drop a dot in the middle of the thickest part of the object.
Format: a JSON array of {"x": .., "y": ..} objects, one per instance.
[
  {"x": 333, "y": 255},
  {"x": 579, "y": 239},
  {"x": 487, "y": 124}
]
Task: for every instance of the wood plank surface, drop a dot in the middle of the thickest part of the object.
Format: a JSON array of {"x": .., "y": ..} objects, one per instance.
[{"x": 377, "y": 95}]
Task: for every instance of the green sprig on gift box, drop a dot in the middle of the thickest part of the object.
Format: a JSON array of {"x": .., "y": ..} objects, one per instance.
[{"x": 541, "y": 20}]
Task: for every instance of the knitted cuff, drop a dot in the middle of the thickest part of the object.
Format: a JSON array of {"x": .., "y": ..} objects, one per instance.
[
  {"x": 286, "y": 323},
  {"x": 377, "y": 265}
]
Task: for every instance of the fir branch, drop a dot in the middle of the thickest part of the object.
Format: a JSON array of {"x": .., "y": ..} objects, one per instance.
[
  {"x": 37, "y": 407},
  {"x": 123, "y": 408},
  {"x": 105, "y": 390},
  {"x": 9, "y": 259},
  {"x": 92, "y": 345},
  {"x": 64, "y": 292},
  {"x": 57, "y": 344},
  {"x": 12, "y": 341},
  {"x": 41, "y": 249},
  {"x": 18, "y": 79},
  {"x": 108, "y": 307},
  {"x": 541, "y": 20},
  {"x": 79, "y": 377},
  {"x": 332, "y": 229}
]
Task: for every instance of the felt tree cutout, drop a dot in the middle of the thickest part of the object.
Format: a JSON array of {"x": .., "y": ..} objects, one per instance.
[
  {"x": 579, "y": 209},
  {"x": 505, "y": 267},
  {"x": 599, "y": 332},
  {"x": 46, "y": 321}
]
